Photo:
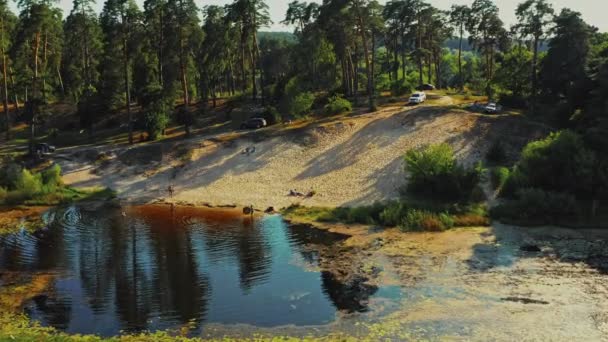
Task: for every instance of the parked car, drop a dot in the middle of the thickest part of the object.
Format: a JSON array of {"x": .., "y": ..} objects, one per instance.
[
  {"x": 44, "y": 148},
  {"x": 491, "y": 108},
  {"x": 417, "y": 98},
  {"x": 426, "y": 86},
  {"x": 254, "y": 123}
]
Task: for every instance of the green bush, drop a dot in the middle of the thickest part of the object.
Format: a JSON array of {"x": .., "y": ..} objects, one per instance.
[
  {"x": 536, "y": 206},
  {"x": 420, "y": 220},
  {"x": 9, "y": 173},
  {"x": 496, "y": 154},
  {"x": 434, "y": 173},
  {"x": 28, "y": 184},
  {"x": 301, "y": 104},
  {"x": 338, "y": 105},
  {"x": 392, "y": 214},
  {"x": 561, "y": 161},
  {"x": 19, "y": 185},
  {"x": 52, "y": 176},
  {"x": 156, "y": 118},
  {"x": 402, "y": 87},
  {"x": 499, "y": 176}
]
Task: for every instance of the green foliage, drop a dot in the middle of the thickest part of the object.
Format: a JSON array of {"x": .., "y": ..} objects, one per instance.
[
  {"x": 421, "y": 220},
  {"x": 297, "y": 101},
  {"x": 272, "y": 115},
  {"x": 393, "y": 213},
  {"x": 565, "y": 78},
  {"x": 90, "y": 107},
  {"x": 499, "y": 176},
  {"x": 338, "y": 105},
  {"x": 401, "y": 87},
  {"x": 157, "y": 110},
  {"x": 3, "y": 194},
  {"x": 497, "y": 154},
  {"x": 301, "y": 104},
  {"x": 559, "y": 162},
  {"x": 407, "y": 216},
  {"x": 28, "y": 184},
  {"x": 434, "y": 173},
  {"x": 536, "y": 206},
  {"x": 20, "y": 186},
  {"x": 52, "y": 176}
]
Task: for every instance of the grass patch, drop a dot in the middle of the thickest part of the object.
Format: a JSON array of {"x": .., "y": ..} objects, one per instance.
[
  {"x": 408, "y": 216},
  {"x": 12, "y": 220}
]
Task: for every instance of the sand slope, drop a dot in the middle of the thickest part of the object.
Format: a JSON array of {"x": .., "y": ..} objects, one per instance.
[{"x": 349, "y": 161}]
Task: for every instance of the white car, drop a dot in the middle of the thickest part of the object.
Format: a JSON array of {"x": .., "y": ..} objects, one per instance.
[
  {"x": 491, "y": 108},
  {"x": 417, "y": 98}
]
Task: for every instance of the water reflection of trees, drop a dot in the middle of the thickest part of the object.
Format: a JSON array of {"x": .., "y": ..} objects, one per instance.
[
  {"x": 145, "y": 263},
  {"x": 241, "y": 239},
  {"x": 176, "y": 287},
  {"x": 349, "y": 296}
]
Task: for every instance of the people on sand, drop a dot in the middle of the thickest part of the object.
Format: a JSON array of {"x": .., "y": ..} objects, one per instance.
[
  {"x": 296, "y": 193},
  {"x": 170, "y": 190},
  {"x": 248, "y": 210}
]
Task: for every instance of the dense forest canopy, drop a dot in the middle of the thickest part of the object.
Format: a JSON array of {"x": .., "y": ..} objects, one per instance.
[{"x": 156, "y": 62}]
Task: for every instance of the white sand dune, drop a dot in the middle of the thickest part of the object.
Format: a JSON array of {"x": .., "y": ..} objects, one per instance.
[{"x": 349, "y": 161}]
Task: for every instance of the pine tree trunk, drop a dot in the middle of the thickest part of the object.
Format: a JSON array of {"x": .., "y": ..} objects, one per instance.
[
  {"x": 460, "y": 58},
  {"x": 87, "y": 60},
  {"x": 5, "y": 94},
  {"x": 243, "y": 76},
  {"x": 34, "y": 83},
  {"x": 44, "y": 66},
  {"x": 127, "y": 85},
  {"x": 403, "y": 58},
  {"x": 60, "y": 79},
  {"x": 254, "y": 90},
  {"x": 534, "y": 74},
  {"x": 5, "y": 90},
  {"x": 15, "y": 96},
  {"x": 160, "y": 47}
]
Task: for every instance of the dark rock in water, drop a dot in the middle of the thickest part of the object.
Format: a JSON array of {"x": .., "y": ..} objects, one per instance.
[
  {"x": 269, "y": 210},
  {"x": 42, "y": 232},
  {"x": 530, "y": 248},
  {"x": 40, "y": 300},
  {"x": 524, "y": 300}
]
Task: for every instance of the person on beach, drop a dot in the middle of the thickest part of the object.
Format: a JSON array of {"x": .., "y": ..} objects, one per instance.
[{"x": 170, "y": 190}]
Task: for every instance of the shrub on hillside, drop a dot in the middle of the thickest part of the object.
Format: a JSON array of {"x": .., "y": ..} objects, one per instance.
[
  {"x": 338, "y": 105},
  {"x": 499, "y": 176},
  {"x": 301, "y": 104},
  {"x": 434, "y": 173},
  {"x": 51, "y": 177},
  {"x": 561, "y": 162},
  {"x": 538, "y": 207},
  {"x": 28, "y": 184},
  {"x": 18, "y": 184},
  {"x": 156, "y": 118},
  {"x": 497, "y": 154}
]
